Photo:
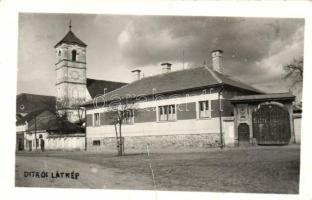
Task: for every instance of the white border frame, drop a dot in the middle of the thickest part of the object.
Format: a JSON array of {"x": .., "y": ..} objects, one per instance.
[{"x": 9, "y": 17}]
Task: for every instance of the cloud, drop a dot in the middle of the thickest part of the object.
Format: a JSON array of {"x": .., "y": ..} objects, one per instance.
[
  {"x": 166, "y": 37},
  {"x": 280, "y": 54},
  {"x": 148, "y": 46},
  {"x": 255, "y": 49}
]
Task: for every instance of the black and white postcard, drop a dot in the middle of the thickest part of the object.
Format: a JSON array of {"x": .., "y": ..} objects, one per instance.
[{"x": 160, "y": 102}]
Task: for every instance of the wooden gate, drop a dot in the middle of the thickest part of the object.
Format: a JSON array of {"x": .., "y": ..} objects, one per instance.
[
  {"x": 243, "y": 133},
  {"x": 271, "y": 124},
  {"x": 20, "y": 144}
]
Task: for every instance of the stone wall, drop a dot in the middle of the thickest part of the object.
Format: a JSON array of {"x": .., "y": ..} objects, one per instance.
[
  {"x": 160, "y": 142},
  {"x": 297, "y": 127},
  {"x": 229, "y": 131},
  {"x": 65, "y": 143}
]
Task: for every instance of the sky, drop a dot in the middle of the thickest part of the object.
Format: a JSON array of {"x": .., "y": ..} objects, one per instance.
[{"x": 255, "y": 49}]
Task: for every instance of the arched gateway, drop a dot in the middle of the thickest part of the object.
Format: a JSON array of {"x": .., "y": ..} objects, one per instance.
[
  {"x": 269, "y": 117},
  {"x": 271, "y": 124}
]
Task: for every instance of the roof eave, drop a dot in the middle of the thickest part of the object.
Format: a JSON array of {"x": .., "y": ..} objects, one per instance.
[
  {"x": 91, "y": 102},
  {"x": 235, "y": 101},
  {"x": 59, "y": 43}
]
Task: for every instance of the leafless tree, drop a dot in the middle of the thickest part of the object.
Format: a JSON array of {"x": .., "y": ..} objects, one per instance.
[
  {"x": 63, "y": 104},
  {"x": 119, "y": 114},
  {"x": 294, "y": 72}
]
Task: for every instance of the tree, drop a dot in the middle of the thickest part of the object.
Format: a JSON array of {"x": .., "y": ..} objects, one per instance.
[
  {"x": 119, "y": 114},
  {"x": 294, "y": 73},
  {"x": 63, "y": 106}
]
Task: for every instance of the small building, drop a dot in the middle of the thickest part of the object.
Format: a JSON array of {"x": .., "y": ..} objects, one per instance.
[{"x": 43, "y": 130}]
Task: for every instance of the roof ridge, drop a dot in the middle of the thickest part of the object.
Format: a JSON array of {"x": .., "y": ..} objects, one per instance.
[
  {"x": 162, "y": 74},
  {"x": 24, "y": 93}
]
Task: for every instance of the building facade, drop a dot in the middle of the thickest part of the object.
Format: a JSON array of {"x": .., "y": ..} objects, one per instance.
[
  {"x": 42, "y": 130},
  {"x": 186, "y": 108}
]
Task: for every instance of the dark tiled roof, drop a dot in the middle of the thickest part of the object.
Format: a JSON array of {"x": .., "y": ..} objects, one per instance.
[
  {"x": 236, "y": 83},
  {"x": 28, "y": 117},
  {"x": 96, "y": 87},
  {"x": 26, "y": 103},
  {"x": 260, "y": 97},
  {"x": 71, "y": 38},
  {"x": 61, "y": 125},
  {"x": 176, "y": 81},
  {"x": 47, "y": 120}
]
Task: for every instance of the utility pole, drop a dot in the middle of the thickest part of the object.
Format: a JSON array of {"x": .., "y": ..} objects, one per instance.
[
  {"x": 85, "y": 128},
  {"x": 183, "y": 58},
  {"x": 220, "y": 117},
  {"x": 36, "y": 143}
]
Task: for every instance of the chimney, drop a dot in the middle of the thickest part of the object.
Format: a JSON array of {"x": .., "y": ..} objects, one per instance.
[
  {"x": 166, "y": 67},
  {"x": 217, "y": 60},
  {"x": 136, "y": 74}
]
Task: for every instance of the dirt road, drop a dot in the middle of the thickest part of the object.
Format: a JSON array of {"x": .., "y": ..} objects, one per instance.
[
  {"x": 256, "y": 170},
  {"x": 90, "y": 175}
]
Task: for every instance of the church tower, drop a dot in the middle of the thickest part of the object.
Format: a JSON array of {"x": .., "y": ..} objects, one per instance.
[{"x": 70, "y": 75}]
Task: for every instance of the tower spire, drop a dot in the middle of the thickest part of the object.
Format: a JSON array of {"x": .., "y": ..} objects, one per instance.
[{"x": 70, "y": 26}]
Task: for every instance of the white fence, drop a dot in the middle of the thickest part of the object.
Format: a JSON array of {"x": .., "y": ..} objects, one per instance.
[
  {"x": 297, "y": 128},
  {"x": 69, "y": 142}
]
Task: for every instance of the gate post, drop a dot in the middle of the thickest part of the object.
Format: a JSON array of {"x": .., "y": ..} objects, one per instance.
[
  {"x": 291, "y": 119},
  {"x": 235, "y": 126},
  {"x": 250, "y": 118}
]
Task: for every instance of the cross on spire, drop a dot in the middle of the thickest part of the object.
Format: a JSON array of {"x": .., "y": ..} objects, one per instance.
[
  {"x": 70, "y": 26},
  {"x": 205, "y": 64}
]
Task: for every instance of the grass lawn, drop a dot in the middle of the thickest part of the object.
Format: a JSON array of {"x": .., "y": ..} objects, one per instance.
[{"x": 252, "y": 170}]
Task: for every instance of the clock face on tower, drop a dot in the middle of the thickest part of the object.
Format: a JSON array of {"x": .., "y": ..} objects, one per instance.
[{"x": 74, "y": 75}]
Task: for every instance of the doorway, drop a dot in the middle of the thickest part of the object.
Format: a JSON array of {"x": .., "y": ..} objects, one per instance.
[{"x": 243, "y": 134}]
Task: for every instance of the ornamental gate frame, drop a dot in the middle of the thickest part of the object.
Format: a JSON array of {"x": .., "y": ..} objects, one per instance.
[{"x": 271, "y": 124}]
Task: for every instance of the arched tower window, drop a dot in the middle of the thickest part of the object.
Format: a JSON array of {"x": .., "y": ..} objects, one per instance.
[
  {"x": 74, "y": 54},
  {"x": 59, "y": 53}
]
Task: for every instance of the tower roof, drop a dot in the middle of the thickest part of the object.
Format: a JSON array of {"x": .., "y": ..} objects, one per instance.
[{"x": 71, "y": 38}]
